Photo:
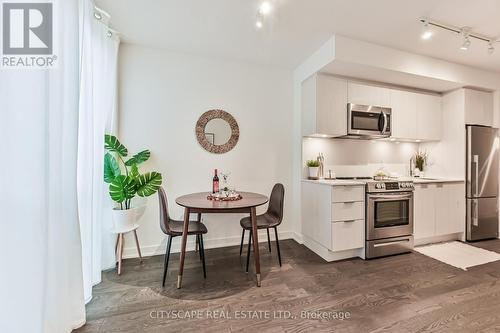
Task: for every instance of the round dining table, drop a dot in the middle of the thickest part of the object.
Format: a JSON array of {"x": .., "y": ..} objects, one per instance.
[{"x": 199, "y": 203}]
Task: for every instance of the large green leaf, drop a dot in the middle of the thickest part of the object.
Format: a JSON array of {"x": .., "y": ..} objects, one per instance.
[
  {"x": 148, "y": 184},
  {"x": 111, "y": 143},
  {"x": 134, "y": 172},
  {"x": 111, "y": 168},
  {"x": 122, "y": 188},
  {"x": 139, "y": 158}
]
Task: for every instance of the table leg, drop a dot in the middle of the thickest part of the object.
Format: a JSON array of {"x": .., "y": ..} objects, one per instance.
[
  {"x": 183, "y": 246},
  {"x": 253, "y": 217}
]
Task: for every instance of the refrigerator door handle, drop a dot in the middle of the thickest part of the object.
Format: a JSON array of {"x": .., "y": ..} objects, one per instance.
[
  {"x": 475, "y": 220},
  {"x": 475, "y": 160}
]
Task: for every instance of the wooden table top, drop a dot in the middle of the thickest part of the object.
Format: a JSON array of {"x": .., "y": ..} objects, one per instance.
[{"x": 200, "y": 201}]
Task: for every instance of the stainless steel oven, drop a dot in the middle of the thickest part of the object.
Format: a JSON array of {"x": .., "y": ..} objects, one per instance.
[
  {"x": 389, "y": 218},
  {"x": 368, "y": 121}
]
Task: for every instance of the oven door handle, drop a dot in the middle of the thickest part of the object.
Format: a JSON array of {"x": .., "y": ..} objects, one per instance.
[{"x": 390, "y": 197}]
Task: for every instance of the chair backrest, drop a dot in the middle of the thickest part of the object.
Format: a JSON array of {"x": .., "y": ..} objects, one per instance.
[
  {"x": 276, "y": 200},
  {"x": 164, "y": 216}
]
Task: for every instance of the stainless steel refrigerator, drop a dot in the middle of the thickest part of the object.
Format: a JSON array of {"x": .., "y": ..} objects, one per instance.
[{"x": 482, "y": 183}]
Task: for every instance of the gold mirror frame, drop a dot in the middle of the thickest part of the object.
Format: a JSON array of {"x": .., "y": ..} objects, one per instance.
[{"x": 202, "y": 139}]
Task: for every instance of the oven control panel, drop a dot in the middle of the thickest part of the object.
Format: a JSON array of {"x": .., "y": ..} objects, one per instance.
[{"x": 392, "y": 186}]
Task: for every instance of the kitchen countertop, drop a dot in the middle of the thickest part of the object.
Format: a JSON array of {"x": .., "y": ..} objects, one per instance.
[
  {"x": 335, "y": 182},
  {"x": 430, "y": 180},
  {"x": 416, "y": 180}
]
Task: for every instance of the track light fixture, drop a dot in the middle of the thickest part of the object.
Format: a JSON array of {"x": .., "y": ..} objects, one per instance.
[
  {"x": 466, "y": 33},
  {"x": 264, "y": 10},
  {"x": 426, "y": 31},
  {"x": 491, "y": 47}
]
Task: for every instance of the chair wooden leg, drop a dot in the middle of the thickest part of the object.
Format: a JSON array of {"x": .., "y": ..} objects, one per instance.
[
  {"x": 277, "y": 244},
  {"x": 137, "y": 244},
  {"x": 268, "y": 240},
  {"x": 198, "y": 244},
  {"x": 202, "y": 251},
  {"x": 249, "y": 248},
  {"x": 167, "y": 257},
  {"x": 241, "y": 244},
  {"x": 120, "y": 253}
]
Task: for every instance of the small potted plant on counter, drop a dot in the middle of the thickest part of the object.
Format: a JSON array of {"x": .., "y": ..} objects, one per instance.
[
  {"x": 124, "y": 187},
  {"x": 313, "y": 166},
  {"x": 420, "y": 162}
]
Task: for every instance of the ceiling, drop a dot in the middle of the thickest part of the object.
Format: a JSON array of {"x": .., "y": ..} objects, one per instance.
[{"x": 296, "y": 28}]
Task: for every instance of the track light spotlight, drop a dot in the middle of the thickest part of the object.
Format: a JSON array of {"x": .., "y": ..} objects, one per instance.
[
  {"x": 491, "y": 47},
  {"x": 426, "y": 31},
  {"x": 465, "y": 32}
]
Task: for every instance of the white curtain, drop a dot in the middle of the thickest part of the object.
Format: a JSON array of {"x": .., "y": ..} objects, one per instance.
[
  {"x": 99, "y": 54},
  {"x": 41, "y": 283}
]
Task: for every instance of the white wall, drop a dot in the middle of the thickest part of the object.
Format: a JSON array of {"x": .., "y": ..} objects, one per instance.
[{"x": 161, "y": 96}]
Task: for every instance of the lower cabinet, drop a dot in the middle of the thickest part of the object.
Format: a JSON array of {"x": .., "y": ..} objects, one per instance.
[
  {"x": 333, "y": 218},
  {"x": 439, "y": 209},
  {"x": 347, "y": 235}
]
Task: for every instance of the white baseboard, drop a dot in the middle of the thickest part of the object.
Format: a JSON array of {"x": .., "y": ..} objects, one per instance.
[
  {"x": 210, "y": 243},
  {"x": 439, "y": 239}
]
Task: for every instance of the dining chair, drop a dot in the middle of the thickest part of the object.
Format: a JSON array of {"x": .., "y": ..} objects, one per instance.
[
  {"x": 270, "y": 219},
  {"x": 173, "y": 228}
]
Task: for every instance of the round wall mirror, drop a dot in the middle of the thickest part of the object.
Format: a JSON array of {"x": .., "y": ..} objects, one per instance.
[{"x": 217, "y": 131}]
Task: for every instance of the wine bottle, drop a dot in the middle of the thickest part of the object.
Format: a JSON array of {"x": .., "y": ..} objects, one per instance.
[{"x": 215, "y": 183}]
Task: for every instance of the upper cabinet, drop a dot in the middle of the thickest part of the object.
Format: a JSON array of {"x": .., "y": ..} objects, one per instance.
[
  {"x": 478, "y": 107},
  {"x": 415, "y": 116},
  {"x": 358, "y": 93},
  {"x": 404, "y": 114},
  {"x": 324, "y": 106},
  {"x": 429, "y": 117}
]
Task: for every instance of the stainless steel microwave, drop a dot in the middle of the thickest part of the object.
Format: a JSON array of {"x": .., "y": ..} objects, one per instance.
[{"x": 368, "y": 121}]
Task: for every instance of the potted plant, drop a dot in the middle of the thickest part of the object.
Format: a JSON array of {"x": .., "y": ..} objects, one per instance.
[
  {"x": 124, "y": 187},
  {"x": 313, "y": 166},
  {"x": 420, "y": 162}
]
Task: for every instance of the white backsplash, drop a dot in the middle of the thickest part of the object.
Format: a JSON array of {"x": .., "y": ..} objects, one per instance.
[{"x": 347, "y": 158}]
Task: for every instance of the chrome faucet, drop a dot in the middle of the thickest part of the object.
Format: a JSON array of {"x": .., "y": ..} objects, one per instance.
[
  {"x": 321, "y": 160},
  {"x": 412, "y": 166}
]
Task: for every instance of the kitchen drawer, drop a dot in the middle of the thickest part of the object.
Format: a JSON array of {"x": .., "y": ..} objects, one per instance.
[
  {"x": 348, "y": 193},
  {"x": 344, "y": 211},
  {"x": 348, "y": 235}
]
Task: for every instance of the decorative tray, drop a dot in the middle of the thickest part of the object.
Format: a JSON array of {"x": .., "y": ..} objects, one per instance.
[{"x": 219, "y": 197}]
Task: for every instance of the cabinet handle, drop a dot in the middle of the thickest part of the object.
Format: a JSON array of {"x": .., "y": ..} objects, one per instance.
[{"x": 349, "y": 221}]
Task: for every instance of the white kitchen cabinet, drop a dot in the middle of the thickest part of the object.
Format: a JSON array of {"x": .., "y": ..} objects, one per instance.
[
  {"x": 439, "y": 209},
  {"x": 404, "y": 114},
  {"x": 359, "y": 93},
  {"x": 347, "y": 235},
  {"x": 429, "y": 117},
  {"x": 324, "y": 106},
  {"x": 450, "y": 209},
  {"x": 332, "y": 228},
  {"x": 424, "y": 224},
  {"x": 478, "y": 107}
]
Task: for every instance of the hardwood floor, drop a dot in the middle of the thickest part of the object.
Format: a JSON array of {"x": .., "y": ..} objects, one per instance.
[{"x": 405, "y": 293}]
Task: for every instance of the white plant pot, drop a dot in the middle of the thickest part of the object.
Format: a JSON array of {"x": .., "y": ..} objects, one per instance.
[
  {"x": 313, "y": 172},
  {"x": 125, "y": 220}
]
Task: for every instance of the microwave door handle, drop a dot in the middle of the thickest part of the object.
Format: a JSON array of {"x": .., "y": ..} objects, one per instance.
[{"x": 384, "y": 129}]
